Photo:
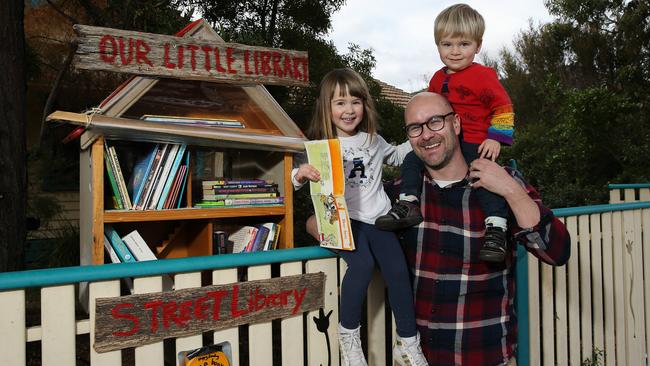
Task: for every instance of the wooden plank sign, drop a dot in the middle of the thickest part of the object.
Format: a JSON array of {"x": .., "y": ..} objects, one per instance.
[
  {"x": 136, "y": 320},
  {"x": 140, "y": 53}
]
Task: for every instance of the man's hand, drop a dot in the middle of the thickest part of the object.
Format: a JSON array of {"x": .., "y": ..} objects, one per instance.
[
  {"x": 307, "y": 172},
  {"x": 489, "y": 175},
  {"x": 489, "y": 149}
]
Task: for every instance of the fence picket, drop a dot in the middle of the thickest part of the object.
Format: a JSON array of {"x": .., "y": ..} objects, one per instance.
[
  {"x": 548, "y": 314},
  {"x": 644, "y": 195},
  {"x": 586, "y": 340},
  {"x": 222, "y": 277},
  {"x": 573, "y": 293},
  {"x": 598, "y": 327},
  {"x": 182, "y": 281},
  {"x": 58, "y": 325},
  {"x": 561, "y": 320},
  {"x": 12, "y": 327},
  {"x": 317, "y": 352},
  {"x": 376, "y": 320},
  {"x": 260, "y": 336},
  {"x": 292, "y": 346},
  {"x": 609, "y": 312},
  {"x": 619, "y": 290},
  {"x": 149, "y": 354},
  {"x": 95, "y": 290},
  {"x": 534, "y": 311}
]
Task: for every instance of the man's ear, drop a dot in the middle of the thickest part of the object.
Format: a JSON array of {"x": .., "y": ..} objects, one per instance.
[{"x": 457, "y": 124}]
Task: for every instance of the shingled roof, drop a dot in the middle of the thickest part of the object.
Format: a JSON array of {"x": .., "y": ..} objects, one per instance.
[{"x": 396, "y": 95}]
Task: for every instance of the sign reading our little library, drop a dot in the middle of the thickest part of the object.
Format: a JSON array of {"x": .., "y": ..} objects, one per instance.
[
  {"x": 136, "y": 320},
  {"x": 187, "y": 57}
]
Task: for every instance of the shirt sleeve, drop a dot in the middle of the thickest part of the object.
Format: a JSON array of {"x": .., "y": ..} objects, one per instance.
[
  {"x": 298, "y": 159},
  {"x": 502, "y": 121},
  {"x": 393, "y": 155},
  {"x": 549, "y": 240}
]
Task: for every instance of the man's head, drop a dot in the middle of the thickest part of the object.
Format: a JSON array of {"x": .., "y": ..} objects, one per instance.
[{"x": 433, "y": 129}]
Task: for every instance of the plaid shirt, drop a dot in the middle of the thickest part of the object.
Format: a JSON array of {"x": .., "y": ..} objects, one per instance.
[{"x": 464, "y": 307}]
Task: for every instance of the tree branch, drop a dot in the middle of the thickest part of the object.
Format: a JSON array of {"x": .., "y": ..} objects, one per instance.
[{"x": 55, "y": 88}]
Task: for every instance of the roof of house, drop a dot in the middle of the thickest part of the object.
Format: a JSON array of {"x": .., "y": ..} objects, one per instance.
[{"x": 394, "y": 94}]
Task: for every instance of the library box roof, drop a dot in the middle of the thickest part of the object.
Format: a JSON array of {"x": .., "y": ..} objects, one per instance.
[{"x": 197, "y": 110}]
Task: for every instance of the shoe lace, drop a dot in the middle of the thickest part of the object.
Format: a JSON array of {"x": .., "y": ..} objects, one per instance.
[
  {"x": 352, "y": 348},
  {"x": 413, "y": 352},
  {"x": 400, "y": 210}
]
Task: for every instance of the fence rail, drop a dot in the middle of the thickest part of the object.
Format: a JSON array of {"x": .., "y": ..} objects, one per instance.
[{"x": 594, "y": 303}]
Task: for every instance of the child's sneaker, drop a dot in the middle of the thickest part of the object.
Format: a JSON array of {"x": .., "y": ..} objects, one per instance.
[
  {"x": 402, "y": 215},
  {"x": 407, "y": 352},
  {"x": 350, "y": 343},
  {"x": 494, "y": 248}
]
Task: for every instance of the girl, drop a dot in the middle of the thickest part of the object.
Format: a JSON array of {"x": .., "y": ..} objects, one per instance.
[{"x": 345, "y": 110}]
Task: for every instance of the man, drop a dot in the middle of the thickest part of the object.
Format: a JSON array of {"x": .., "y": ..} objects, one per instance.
[{"x": 465, "y": 306}]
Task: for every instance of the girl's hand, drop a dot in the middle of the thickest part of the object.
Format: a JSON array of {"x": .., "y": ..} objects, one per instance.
[
  {"x": 307, "y": 172},
  {"x": 489, "y": 149}
]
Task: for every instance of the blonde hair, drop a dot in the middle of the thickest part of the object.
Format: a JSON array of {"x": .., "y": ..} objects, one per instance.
[
  {"x": 459, "y": 20},
  {"x": 348, "y": 81}
]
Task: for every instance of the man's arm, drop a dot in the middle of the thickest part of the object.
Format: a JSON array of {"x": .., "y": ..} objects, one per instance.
[{"x": 537, "y": 228}]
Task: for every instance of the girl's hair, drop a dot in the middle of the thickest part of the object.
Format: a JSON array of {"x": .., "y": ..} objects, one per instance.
[
  {"x": 459, "y": 20},
  {"x": 349, "y": 81}
]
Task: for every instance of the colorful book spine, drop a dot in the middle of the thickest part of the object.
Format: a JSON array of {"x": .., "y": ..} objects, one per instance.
[
  {"x": 140, "y": 174},
  {"x": 138, "y": 246},
  {"x": 184, "y": 182},
  {"x": 224, "y": 182},
  {"x": 240, "y": 190},
  {"x": 216, "y": 197},
  {"x": 151, "y": 178},
  {"x": 237, "y": 186},
  {"x": 241, "y": 202},
  {"x": 172, "y": 175},
  {"x": 161, "y": 179},
  {"x": 111, "y": 178},
  {"x": 119, "y": 178},
  {"x": 121, "y": 249},
  {"x": 260, "y": 238}
]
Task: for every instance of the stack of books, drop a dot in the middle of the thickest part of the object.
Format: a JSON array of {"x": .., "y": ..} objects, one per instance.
[
  {"x": 246, "y": 238},
  {"x": 228, "y": 192}
]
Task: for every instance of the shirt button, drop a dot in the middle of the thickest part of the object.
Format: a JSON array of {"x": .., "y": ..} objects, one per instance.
[
  {"x": 437, "y": 281},
  {"x": 442, "y": 251}
]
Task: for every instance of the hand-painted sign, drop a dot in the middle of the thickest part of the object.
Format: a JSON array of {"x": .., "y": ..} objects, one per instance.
[
  {"x": 135, "y": 320},
  {"x": 187, "y": 58}
]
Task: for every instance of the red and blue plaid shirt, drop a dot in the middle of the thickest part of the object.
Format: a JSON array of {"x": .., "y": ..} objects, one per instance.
[{"x": 464, "y": 306}]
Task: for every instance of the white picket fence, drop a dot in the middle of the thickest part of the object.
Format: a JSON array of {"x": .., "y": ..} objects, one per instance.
[
  {"x": 600, "y": 301},
  {"x": 597, "y": 302}
]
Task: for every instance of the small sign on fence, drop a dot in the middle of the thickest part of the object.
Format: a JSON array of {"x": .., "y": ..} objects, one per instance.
[{"x": 135, "y": 320}]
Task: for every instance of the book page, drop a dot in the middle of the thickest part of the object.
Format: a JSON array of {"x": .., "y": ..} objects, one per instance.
[{"x": 328, "y": 195}]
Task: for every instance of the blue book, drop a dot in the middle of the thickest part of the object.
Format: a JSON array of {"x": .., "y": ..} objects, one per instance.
[
  {"x": 172, "y": 174},
  {"x": 120, "y": 248},
  {"x": 260, "y": 238},
  {"x": 187, "y": 172},
  {"x": 140, "y": 173}
]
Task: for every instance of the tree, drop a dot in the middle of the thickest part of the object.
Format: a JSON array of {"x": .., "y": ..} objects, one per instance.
[
  {"x": 579, "y": 86},
  {"x": 13, "y": 180}
]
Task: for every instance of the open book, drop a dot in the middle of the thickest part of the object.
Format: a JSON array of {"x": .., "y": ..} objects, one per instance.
[{"x": 328, "y": 195}]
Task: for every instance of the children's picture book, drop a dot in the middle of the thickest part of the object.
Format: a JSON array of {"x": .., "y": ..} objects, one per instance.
[{"x": 328, "y": 195}]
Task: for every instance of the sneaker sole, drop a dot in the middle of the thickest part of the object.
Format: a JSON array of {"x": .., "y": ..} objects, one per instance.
[
  {"x": 491, "y": 256},
  {"x": 394, "y": 225}
]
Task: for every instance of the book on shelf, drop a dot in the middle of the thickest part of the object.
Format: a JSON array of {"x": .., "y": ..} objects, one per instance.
[
  {"x": 183, "y": 181},
  {"x": 165, "y": 167},
  {"x": 150, "y": 177},
  {"x": 259, "y": 240},
  {"x": 241, "y": 202},
  {"x": 140, "y": 172},
  {"x": 241, "y": 238},
  {"x": 238, "y": 187},
  {"x": 228, "y": 182},
  {"x": 219, "y": 242},
  {"x": 122, "y": 251},
  {"x": 216, "y": 197},
  {"x": 269, "y": 189},
  {"x": 116, "y": 196},
  {"x": 194, "y": 121},
  {"x": 173, "y": 172},
  {"x": 114, "y": 163},
  {"x": 175, "y": 188},
  {"x": 138, "y": 246},
  {"x": 272, "y": 237},
  {"x": 112, "y": 255}
]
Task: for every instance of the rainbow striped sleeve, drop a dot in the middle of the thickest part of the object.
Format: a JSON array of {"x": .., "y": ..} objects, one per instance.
[{"x": 502, "y": 125}]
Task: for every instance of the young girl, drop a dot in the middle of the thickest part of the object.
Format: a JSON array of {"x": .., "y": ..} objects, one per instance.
[{"x": 345, "y": 110}]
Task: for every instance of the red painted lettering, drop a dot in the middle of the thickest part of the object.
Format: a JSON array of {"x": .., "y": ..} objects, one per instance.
[
  {"x": 199, "y": 308},
  {"x": 142, "y": 48},
  {"x": 234, "y": 303},
  {"x": 216, "y": 306},
  {"x": 125, "y": 60},
  {"x": 260, "y": 297},
  {"x": 230, "y": 60},
  {"x": 206, "y": 52},
  {"x": 277, "y": 69},
  {"x": 305, "y": 69},
  {"x": 193, "y": 49},
  {"x": 115, "y": 312},
  {"x": 166, "y": 62},
  {"x": 247, "y": 70},
  {"x": 266, "y": 67},
  {"x": 257, "y": 61},
  {"x": 296, "y": 72},
  {"x": 153, "y": 305},
  {"x": 288, "y": 71},
  {"x": 217, "y": 61},
  {"x": 180, "y": 56},
  {"x": 299, "y": 297},
  {"x": 185, "y": 312},
  {"x": 169, "y": 313},
  {"x": 106, "y": 57}
]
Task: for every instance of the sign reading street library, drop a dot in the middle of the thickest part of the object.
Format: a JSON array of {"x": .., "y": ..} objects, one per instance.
[
  {"x": 136, "y": 320},
  {"x": 187, "y": 58}
]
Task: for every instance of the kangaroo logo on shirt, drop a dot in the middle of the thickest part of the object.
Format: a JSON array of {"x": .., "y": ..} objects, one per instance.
[{"x": 357, "y": 166}]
